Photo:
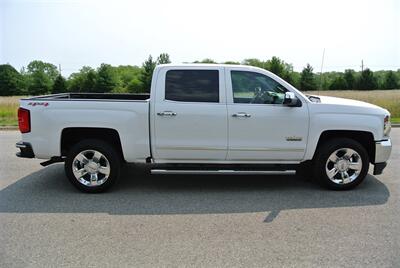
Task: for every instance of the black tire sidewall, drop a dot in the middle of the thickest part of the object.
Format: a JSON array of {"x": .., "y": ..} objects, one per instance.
[
  {"x": 107, "y": 150},
  {"x": 326, "y": 150}
]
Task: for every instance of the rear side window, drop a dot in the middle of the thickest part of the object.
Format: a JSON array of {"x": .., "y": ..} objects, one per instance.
[{"x": 192, "y": 85}]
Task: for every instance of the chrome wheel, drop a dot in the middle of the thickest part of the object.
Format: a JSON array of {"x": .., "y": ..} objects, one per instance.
[
  {"x": 91, "y": 168},
  {"x": 343, "y": 166}
]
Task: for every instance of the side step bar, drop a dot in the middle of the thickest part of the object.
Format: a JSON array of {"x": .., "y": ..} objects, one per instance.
[{"x": 224, "y": 172}]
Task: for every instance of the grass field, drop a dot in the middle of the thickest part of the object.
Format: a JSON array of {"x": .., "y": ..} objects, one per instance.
[
  {"x": 389, "y": 99},
  {"x": 8, "y": 110}
]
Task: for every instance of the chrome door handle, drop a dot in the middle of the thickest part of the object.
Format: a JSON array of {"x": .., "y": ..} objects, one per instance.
[
  {"x": 241, "y": 115},
  {"x": 166, "y": 113}
]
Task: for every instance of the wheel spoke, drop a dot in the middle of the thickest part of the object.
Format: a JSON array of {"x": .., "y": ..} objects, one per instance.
[
  {"x": 333, "y": 158},
  {"x": 96, "y": 156},
  {"x": 355, "y": 165},
  {"x": 104, "y": 170},
  {"x": 80, "y": 173},
  {"x": 349, "y": 153},
  {"x": 345, "y": 177},
  {"x": 93, "y": 178},
  {"x": 82, "y": 158},
  {"x": 331, "y": 173}
]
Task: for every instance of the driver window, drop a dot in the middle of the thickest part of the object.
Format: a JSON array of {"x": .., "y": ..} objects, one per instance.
[{"x": 250, "y": 87}]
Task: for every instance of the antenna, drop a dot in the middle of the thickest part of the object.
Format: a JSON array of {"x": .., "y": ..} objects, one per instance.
[{"x": 322, "y": 65}]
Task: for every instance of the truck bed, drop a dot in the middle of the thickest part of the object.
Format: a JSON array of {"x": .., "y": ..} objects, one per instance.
[{"x": 93, "y": 96}]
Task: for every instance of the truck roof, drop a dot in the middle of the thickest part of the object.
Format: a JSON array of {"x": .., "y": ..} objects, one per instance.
[{"x": 186, "y": 65}]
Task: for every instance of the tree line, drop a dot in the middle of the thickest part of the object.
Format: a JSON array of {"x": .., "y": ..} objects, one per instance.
[{"x": 39, "y": 78}]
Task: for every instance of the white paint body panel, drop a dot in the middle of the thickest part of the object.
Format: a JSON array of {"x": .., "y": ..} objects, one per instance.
[
  {"x": 263, "y": 135},
  {"x": 128, "y": 118},
  {"x": 203, "y": 132},
  {"x": 199, "y": 131}
]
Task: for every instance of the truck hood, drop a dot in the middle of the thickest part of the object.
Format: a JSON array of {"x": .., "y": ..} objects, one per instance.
[{"x": 352, "y": 103}]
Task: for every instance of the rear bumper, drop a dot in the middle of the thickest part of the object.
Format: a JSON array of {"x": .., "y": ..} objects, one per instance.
[{"x": 25, "y": 150}]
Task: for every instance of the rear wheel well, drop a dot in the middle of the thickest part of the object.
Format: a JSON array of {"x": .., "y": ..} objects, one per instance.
[
  {"x": 71, "y": 136},
  {"x": 366, "y": 139}
]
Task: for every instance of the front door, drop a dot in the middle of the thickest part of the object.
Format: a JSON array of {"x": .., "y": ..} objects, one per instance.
[
  {"x": 190, "y": 116},
  {"x": 261, "y": 127}
]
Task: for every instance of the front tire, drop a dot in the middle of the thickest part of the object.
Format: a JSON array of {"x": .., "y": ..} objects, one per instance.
[
  {"x": 92, "y": 166},
  {"x": 341, "y": 164}
]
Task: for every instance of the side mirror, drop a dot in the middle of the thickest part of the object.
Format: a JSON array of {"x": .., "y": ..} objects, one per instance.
[{"x": 291, "y": 100}]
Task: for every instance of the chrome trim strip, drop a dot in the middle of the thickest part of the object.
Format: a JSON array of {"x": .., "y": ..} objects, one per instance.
[
  {"x": 227, "y": 161},
  {"x": 224, "y": 172},
  {"x": 189, "y": 148},
  {"x": 269, "y": 149},
  {"x": 20, "y": 145},
  {"x": 231, "y": 149}
]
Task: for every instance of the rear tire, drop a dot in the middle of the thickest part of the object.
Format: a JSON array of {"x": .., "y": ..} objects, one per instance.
[
  {"x": 92, "y": 166},
  {"x": 341, "y": 164}
]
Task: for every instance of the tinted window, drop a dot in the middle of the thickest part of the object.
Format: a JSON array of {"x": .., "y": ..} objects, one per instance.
[
  {"x": 192, "y": 85},
  {"x": 250, "y": 87}
]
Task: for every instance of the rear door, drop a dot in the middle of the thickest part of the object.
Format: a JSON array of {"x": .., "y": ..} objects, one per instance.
[{"x": 190, "y": 115}]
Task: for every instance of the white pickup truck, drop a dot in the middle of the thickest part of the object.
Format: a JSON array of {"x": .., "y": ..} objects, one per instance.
[{"x": 207, "y": 119}]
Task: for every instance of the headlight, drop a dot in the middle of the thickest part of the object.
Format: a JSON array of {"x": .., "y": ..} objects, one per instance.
[{"x": 386, "y": 126}]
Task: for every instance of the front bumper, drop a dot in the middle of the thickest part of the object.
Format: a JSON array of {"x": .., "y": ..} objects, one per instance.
[
  {"x": 382, "y": 154},
  {"x": 382, "y": 151},
  {"x": 25, "y": 150}
]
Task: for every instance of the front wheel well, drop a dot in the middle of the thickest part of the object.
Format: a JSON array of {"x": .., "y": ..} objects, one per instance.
[
  {"x": 365, "y": 138},
  {"x": 71, "y": 136}
]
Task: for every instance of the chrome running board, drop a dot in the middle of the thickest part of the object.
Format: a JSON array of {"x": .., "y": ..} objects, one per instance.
[{"x": 224, "y": 172}]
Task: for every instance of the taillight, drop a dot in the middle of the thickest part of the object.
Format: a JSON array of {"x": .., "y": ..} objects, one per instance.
[{"x": 24, "y": 120}]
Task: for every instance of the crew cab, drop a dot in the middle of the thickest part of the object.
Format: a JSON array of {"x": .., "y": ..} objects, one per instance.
[{"x": 207, "y": 119}]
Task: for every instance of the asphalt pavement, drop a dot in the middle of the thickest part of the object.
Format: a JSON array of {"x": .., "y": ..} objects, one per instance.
[{"x": 192, "y": 221}]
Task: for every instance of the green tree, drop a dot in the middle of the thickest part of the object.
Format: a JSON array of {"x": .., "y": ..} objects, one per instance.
[
  {"x": 295, "y": 79},
  {"x": 207, "y": 60},
  {"x": 367, "y": 81},
  {"x": 136, "y": 86},
  {"x": 339, "y": 83},
  {"x": 232, "y": 62},
  {"x": 147, "y": 73},
  {"x": 40, "y": 77},
  {"x": 39, "y": 84},
  {"x": 89, "y": 81},
  {"x": 163, "y": 59},
  {"x": 280, "y": 68},
  {"x": 307, "y": 79},
  {"x": 254, "y": 62},
  {"x": 60, "y": 85},
  {"x": 106, "y": 79},
  {"x": 11, "y": 81},
  {"x": 83, "y": 81},
  {"x": 391, "y": 81},
  {"x": 44, "y": 67},
  {"x": 129, "y": 78},
  {"x": 276, "y": 66},
  {"x": 349, "y": 77}
]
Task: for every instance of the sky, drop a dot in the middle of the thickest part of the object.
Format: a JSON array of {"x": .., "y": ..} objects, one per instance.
[{"x": 88, "y": 32}]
